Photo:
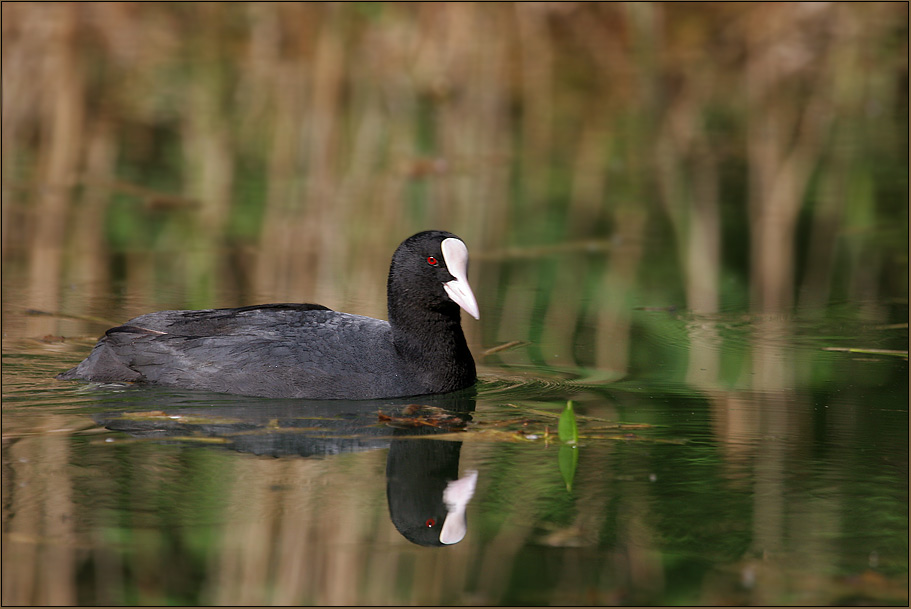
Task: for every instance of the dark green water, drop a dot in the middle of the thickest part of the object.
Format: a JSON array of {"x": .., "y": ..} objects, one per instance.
[{"x": 724, "y": 459}]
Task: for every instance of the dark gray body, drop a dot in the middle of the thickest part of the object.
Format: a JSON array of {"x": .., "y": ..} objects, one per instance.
[{"x": 290, "y": 351}]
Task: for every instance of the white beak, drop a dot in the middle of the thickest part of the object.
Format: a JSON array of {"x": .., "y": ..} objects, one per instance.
[{"x": 455, "y": 255}]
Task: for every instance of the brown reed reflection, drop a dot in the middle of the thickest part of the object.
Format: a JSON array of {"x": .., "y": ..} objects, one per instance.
[{"x": 40, "y": 542}]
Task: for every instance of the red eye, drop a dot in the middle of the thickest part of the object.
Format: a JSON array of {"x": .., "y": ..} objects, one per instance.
[
  {"x": 430, "y": 522},
  {"x": 432, "y": 261}
]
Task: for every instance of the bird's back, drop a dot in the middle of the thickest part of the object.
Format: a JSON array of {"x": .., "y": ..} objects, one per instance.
[{"x": 302, "y": 351}]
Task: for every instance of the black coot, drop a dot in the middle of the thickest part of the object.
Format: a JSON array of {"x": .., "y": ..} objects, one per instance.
[{"x": 307, "y": 350}]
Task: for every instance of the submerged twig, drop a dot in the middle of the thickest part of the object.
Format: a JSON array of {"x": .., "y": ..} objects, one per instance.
[
  {"x": 582, "y": 417},
  {"x": 40, "y": 313},
  {"x": 895, "y": 352},
  {"x": 513, "y": 344}
]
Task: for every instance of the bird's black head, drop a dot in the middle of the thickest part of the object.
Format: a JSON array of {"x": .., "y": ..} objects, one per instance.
[{"x": 429, "y": 271}]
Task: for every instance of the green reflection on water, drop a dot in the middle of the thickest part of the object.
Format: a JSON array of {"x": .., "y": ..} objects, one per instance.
[
  {"x": 757, "y": 487},
  {"x": 713, "y": 514}
]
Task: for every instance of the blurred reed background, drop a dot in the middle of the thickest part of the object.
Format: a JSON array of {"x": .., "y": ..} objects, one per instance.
[
  {"x": 218, "y": 154},
  {"x": 223, "y": 153}
]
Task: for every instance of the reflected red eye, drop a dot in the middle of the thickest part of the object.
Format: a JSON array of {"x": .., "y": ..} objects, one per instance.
[
  {"x": 430, "y": 522},
  {"x": 432, "y": 261}
]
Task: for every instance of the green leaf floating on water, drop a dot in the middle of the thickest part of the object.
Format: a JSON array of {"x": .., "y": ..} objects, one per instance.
[{"x": 569, "y": 431}]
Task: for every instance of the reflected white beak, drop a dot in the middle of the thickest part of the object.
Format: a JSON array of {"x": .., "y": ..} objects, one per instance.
[
  {"x": 455, "y": 255},
  {"x": 456, "y": 497}
]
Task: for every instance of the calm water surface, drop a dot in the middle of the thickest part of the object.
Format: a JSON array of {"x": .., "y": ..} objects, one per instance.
[{"x": 725, "y": 459}]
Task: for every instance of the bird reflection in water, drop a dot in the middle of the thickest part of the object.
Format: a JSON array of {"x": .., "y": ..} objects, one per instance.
[{"x": 427, "y": 498}]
